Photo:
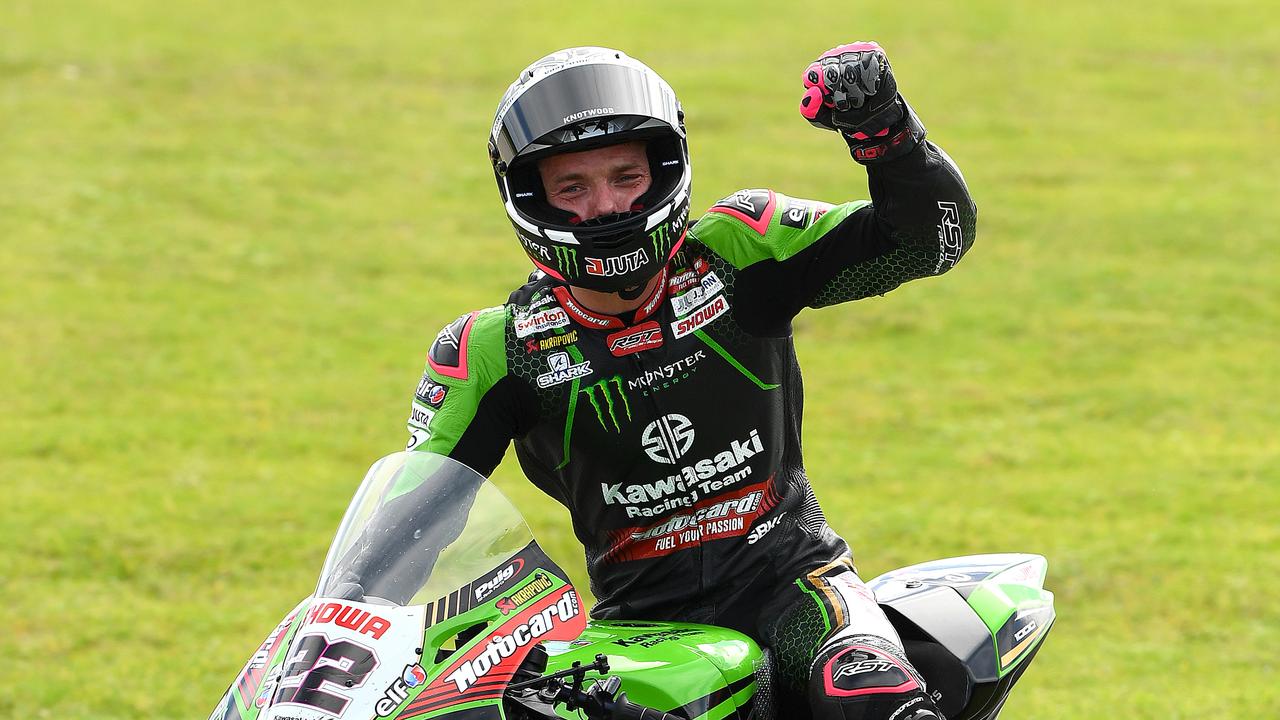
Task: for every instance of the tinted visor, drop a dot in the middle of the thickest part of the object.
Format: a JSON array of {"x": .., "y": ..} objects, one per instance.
[{"x": 579, "y": 94}]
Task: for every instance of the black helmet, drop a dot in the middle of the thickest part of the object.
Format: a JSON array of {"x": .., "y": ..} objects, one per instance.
[{"x": 580, "y": 99}]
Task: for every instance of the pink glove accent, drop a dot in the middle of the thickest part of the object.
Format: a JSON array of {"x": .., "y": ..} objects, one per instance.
[{"x": 860, "y": 46}]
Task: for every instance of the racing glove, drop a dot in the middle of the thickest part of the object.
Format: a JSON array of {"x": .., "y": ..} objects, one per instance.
[{"x": 851, "y": 89}]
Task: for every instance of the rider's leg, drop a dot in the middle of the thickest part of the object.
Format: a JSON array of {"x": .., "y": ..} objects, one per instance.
[{"x": 838, "y": 653}]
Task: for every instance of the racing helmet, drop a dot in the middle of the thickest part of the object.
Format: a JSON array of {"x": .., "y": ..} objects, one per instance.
[{"x": 580, "y": 99}]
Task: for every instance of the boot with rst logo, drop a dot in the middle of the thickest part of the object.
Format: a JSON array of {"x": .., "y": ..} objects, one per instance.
[{"x": 865, "y": 677}]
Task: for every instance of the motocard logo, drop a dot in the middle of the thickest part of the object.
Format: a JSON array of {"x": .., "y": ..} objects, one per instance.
[
  {"x": 500, "y": 578},
  {"x": 697, "y": 295},
  {"x": 620, "y": 265},
  {"x": 668, "y": 438},
  {"x": 352, "y": 618},
  {"x": 548, "y": 319},
  {"x": 702, "y": 316},
  {"x": 712, "y": 519},
  {"x": 644, "y": 336},
  {"x": 503, "y": 646},
  {"x": 562, "y": 371}
]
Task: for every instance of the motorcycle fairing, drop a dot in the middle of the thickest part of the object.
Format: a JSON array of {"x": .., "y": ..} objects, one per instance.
[
  {"x": 690, "y": 670},
  {"x": 474, "y": 676},
  {"x": 249, "y": 693}
]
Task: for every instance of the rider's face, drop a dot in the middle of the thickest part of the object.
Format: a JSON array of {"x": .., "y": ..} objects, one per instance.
[{"x": 597, "y": 182}]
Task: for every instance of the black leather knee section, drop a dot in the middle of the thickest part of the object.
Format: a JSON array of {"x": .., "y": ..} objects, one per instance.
[{"x": 864, "y": 677}]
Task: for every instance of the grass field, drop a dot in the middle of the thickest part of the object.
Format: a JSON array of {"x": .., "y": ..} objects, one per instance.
[{"x": 229, "y": 231}]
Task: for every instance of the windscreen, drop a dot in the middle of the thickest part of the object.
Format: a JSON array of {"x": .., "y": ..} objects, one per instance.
[{"x": 420, "y": 526}]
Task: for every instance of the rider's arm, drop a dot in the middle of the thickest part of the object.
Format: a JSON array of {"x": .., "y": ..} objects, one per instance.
[
  {"x": 792, "y": 254},
  {"x": 467, "y": 406}
]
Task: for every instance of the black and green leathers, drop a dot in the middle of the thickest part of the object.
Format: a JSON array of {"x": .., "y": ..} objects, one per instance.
[{"x": 672, "y": 435}]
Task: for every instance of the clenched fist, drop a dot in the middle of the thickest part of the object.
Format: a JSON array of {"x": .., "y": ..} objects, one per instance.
[{"x": 851, "y": 89}]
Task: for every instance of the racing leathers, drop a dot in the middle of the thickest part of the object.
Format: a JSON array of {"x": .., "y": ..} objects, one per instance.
[{"x": 672, "y": 434}]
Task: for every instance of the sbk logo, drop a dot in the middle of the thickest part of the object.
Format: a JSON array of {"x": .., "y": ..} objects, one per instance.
[
  {"x": 644, "y": 336},
  {"x": 620, "y": 265},
  {"x": 668, "y": 438}
]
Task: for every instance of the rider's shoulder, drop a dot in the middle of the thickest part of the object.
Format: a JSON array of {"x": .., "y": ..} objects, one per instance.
[
  {"x": 471, "y": 342},
  {"x": 759, "y": 223}
]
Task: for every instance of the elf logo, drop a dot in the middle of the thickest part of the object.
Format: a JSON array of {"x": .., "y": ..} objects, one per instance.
[
  {"x": 620, "y": 265},
  {"x": 644, "y": 336}
]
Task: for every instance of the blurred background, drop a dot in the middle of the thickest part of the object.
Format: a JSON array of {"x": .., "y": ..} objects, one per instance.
[{"x": 229, "y": 232}]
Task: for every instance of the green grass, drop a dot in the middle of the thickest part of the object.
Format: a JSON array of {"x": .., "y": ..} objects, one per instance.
[{"x": 229, "y": 231}]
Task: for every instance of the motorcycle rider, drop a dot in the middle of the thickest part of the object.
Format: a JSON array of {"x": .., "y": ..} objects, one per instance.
[{"x": 647, "y": 372}]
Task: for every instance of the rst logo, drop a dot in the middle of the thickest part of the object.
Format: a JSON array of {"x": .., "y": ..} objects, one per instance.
[
  {"x": 704, "y": 315},
  {"x": 621, "y": 265},
  {"x": 644, "y": 336}
]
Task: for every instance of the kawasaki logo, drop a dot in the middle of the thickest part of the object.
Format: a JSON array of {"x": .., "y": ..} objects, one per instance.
[
  {"x": 606, "y": 400},
  {"x": 620, "y": 265},
  {"x": 688, "y": 482},
  {"x": 668, "y": 438}
]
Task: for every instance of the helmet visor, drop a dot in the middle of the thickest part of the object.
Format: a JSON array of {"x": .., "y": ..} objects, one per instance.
[{"x": 577, "y": 94}]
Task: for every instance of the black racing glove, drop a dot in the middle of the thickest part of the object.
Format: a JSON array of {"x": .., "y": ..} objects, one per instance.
[{"x": 851, "y": 89}]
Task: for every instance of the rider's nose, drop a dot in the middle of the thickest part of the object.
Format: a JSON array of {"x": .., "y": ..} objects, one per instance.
[{"x": 606, "y": 202}]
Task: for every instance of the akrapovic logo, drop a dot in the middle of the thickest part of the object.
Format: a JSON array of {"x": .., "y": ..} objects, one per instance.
[{"x": 501, "y": 647}]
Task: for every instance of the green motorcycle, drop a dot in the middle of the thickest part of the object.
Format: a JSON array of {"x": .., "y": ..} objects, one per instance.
[{"x": 436, "y": 602}]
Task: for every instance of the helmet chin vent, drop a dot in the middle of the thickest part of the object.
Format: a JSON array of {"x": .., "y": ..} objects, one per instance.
[{"x": 610, "y": 241}]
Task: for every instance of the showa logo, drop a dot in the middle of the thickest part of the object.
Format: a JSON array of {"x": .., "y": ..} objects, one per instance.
[
  {"x": 350, "y": 617},
  {"x": 502, "y": 646},
  {"x": 713, "y": 309},
  {"x": 398, "y": 691},
  {"x": 562, "y": 370}
]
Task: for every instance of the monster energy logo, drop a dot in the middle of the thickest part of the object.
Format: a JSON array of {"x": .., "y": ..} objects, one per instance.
[
  {"x": 567, "y": 257},
  {"x": 606, "y": 402},
  {"x": 661, "y": 236}
]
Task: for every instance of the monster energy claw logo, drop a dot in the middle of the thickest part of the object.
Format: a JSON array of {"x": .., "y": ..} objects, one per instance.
[
  {"x": 606, "y": 402},
  {"x": 567, "y": 258}
]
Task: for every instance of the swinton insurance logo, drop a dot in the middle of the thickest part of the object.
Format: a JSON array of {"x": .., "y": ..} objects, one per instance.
[{"x": 668, "y": 438}]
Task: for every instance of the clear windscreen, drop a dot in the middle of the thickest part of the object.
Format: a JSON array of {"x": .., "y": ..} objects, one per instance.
[{"x": 420, "y": 526}]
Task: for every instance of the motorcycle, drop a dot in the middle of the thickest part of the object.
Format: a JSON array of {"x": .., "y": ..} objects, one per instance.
[{"x": 436, "y": 602}]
